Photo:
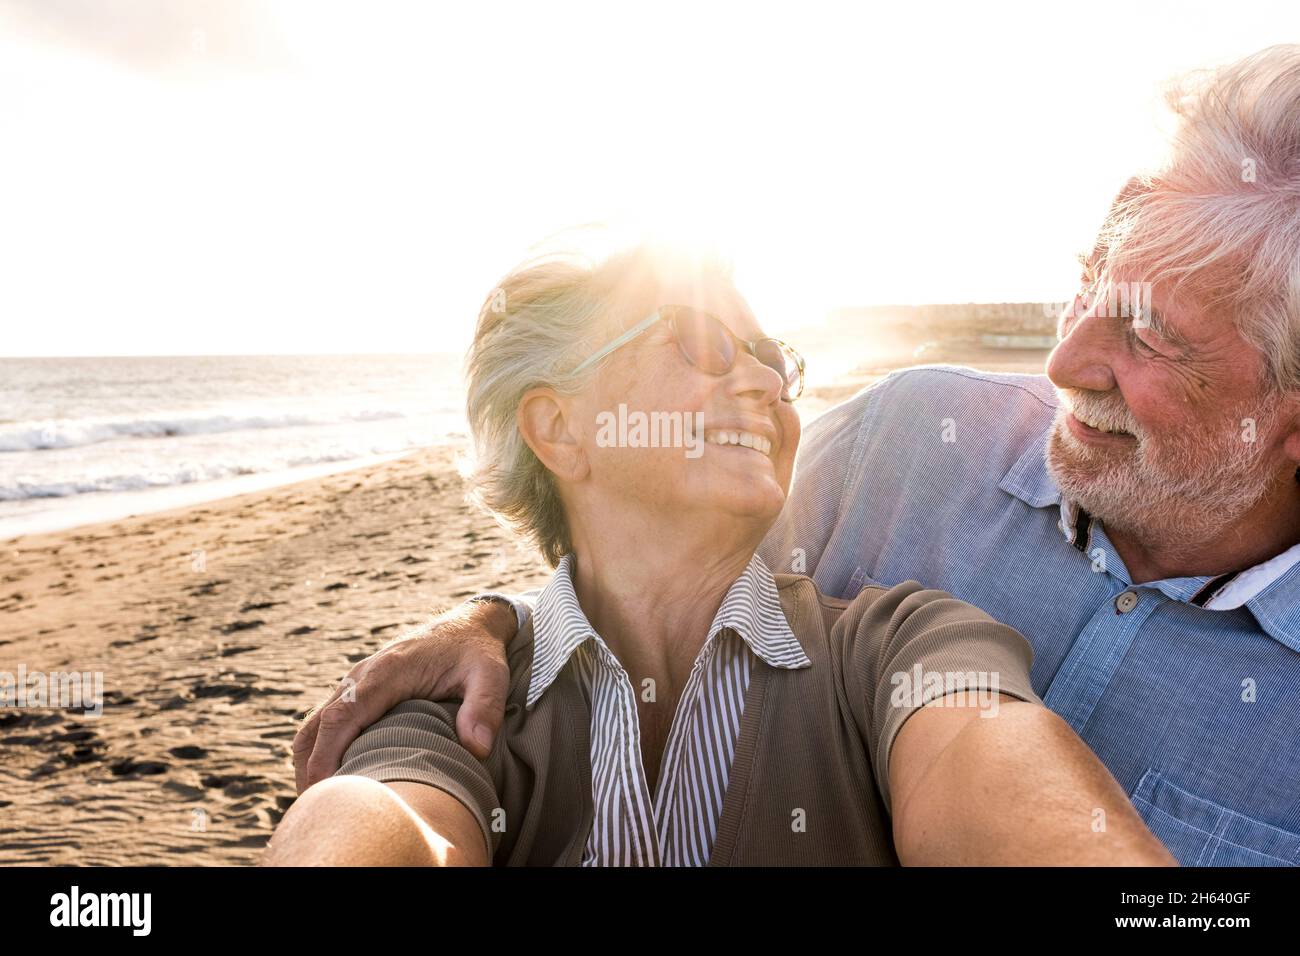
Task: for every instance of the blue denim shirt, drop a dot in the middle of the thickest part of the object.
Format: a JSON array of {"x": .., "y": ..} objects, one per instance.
[{"x": 1187, "y": 688}]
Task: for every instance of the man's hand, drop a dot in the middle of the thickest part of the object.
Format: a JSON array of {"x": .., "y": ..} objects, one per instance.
[{"x": 461, "y": 654}]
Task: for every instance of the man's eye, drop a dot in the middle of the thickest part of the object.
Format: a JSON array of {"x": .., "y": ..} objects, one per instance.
[{"x": 1139, "y": 343}]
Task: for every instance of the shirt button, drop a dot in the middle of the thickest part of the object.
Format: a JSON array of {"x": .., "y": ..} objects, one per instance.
[{"x": 1126, "y": 602}]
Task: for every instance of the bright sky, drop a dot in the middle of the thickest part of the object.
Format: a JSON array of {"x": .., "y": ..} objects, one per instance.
[{"x": 187, "y": 177}]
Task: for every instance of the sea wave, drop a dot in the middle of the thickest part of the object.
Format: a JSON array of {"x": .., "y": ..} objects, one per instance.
[
  {"x": 21, "y": 489},
  {"x": 74, "y": 433}
]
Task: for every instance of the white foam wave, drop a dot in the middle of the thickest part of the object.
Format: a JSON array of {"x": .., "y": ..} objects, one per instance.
[
  {"x": 21, "y": 489},
  {"x": 63, "y": 433}
]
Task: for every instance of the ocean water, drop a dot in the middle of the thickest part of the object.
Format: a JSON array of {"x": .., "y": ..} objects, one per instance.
[
  {"x": 97, "y": 439},
  {"x": 92, "y": 439}
]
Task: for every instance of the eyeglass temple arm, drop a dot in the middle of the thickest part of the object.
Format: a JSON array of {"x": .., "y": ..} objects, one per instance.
[{"x": 623, "y": 339}]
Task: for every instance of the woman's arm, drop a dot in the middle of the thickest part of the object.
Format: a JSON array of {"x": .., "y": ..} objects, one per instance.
[
  {"x": 356, "y": 821},
  {"x": 1008, "y": 783},
  {"x": 971, "y": 766},
  {"x": 408, "y": 794}
]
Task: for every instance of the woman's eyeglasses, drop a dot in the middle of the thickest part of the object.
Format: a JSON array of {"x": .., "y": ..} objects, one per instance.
[{"x": 708, "y": 344}]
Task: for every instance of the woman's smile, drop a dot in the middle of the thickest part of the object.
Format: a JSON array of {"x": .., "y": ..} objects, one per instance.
[{"x": 740, "y": 439}]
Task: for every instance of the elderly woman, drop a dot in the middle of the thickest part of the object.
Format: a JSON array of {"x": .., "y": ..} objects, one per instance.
[{"x": 671, "y": 701}]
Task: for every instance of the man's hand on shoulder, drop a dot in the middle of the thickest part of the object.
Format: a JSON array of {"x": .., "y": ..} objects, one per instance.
[{"x": 459, "y": 655}]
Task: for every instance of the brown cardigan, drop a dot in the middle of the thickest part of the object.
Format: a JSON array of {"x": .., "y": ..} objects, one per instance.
[{"x": 810, "y": 782}]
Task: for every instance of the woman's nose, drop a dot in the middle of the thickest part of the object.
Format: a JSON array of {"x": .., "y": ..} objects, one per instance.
[{"x": 751, "y": 378}]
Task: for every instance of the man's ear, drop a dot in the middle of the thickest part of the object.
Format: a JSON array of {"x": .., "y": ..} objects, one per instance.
[
  {"x": 1291, "y": 442},
  {"x": 545, "y": 421}
]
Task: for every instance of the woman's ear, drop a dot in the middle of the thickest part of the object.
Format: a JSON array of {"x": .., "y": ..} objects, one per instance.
[{"x": 545, "y": 421}]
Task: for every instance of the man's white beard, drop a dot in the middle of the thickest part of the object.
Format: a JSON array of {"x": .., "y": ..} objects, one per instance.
[{"x": 1178, "y": 492}]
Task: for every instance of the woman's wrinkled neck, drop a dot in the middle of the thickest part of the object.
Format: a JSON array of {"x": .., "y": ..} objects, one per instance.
[{"x": 651, "y": 588}]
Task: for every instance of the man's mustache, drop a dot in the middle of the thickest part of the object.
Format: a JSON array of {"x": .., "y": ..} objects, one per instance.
[{"x": 1106, "y": 411}]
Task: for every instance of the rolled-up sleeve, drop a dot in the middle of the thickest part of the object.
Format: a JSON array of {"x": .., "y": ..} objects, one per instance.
[
  {"x": 523, "y": 604},
  {"x": 416, "y": 741},
  {"x": 907, "y": 646}
]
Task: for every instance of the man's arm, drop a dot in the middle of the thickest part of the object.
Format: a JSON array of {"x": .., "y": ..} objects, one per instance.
[
  {"x": 460, "y": 654},
  {"x": 1008, "y": 784}
]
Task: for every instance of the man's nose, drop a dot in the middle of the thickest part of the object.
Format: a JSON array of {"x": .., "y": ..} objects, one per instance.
[{"x": 1082, "y": 359}]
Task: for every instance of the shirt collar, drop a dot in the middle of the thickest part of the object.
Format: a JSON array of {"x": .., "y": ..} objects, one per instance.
[
  {"x": 1270, "y": 590},
  {"x": 751, "y": 608}
]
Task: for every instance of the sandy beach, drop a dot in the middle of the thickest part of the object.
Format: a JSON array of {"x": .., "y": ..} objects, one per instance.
[{"x": 216, "y": 627}]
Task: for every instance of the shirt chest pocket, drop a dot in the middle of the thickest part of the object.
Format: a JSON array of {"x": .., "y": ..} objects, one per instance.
[
  {"x": 859, "y": 580},
  {"x": 1199, "y": 832}
]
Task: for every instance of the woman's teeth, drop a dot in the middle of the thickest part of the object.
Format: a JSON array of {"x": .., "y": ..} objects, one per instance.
[{"x": 747, "y": 439}]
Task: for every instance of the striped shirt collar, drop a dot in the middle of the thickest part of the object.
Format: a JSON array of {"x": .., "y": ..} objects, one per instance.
[
  {"x": 751, "y": 608},
  {"x": 1270, "y": 589}
]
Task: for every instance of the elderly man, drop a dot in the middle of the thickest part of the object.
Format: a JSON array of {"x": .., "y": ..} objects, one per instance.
[{"x": 1137, "y": 517}]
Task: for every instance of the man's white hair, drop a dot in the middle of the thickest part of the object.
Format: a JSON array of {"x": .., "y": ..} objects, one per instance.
[{"x": 1219, "y": 221}]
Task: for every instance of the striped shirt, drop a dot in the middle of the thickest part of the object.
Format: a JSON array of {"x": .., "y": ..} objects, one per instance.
[
  {"x": 678, "y": 825},
  {"x": 809, "y": 781}
]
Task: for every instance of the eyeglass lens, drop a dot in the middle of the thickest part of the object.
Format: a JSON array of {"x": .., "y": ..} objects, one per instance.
[{"x": 710, "y": 346}]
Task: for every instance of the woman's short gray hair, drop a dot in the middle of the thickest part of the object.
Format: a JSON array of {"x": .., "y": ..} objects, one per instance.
[
  {"x": 534, "y": 328},
  {"x": 1220, "y": 219}
]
